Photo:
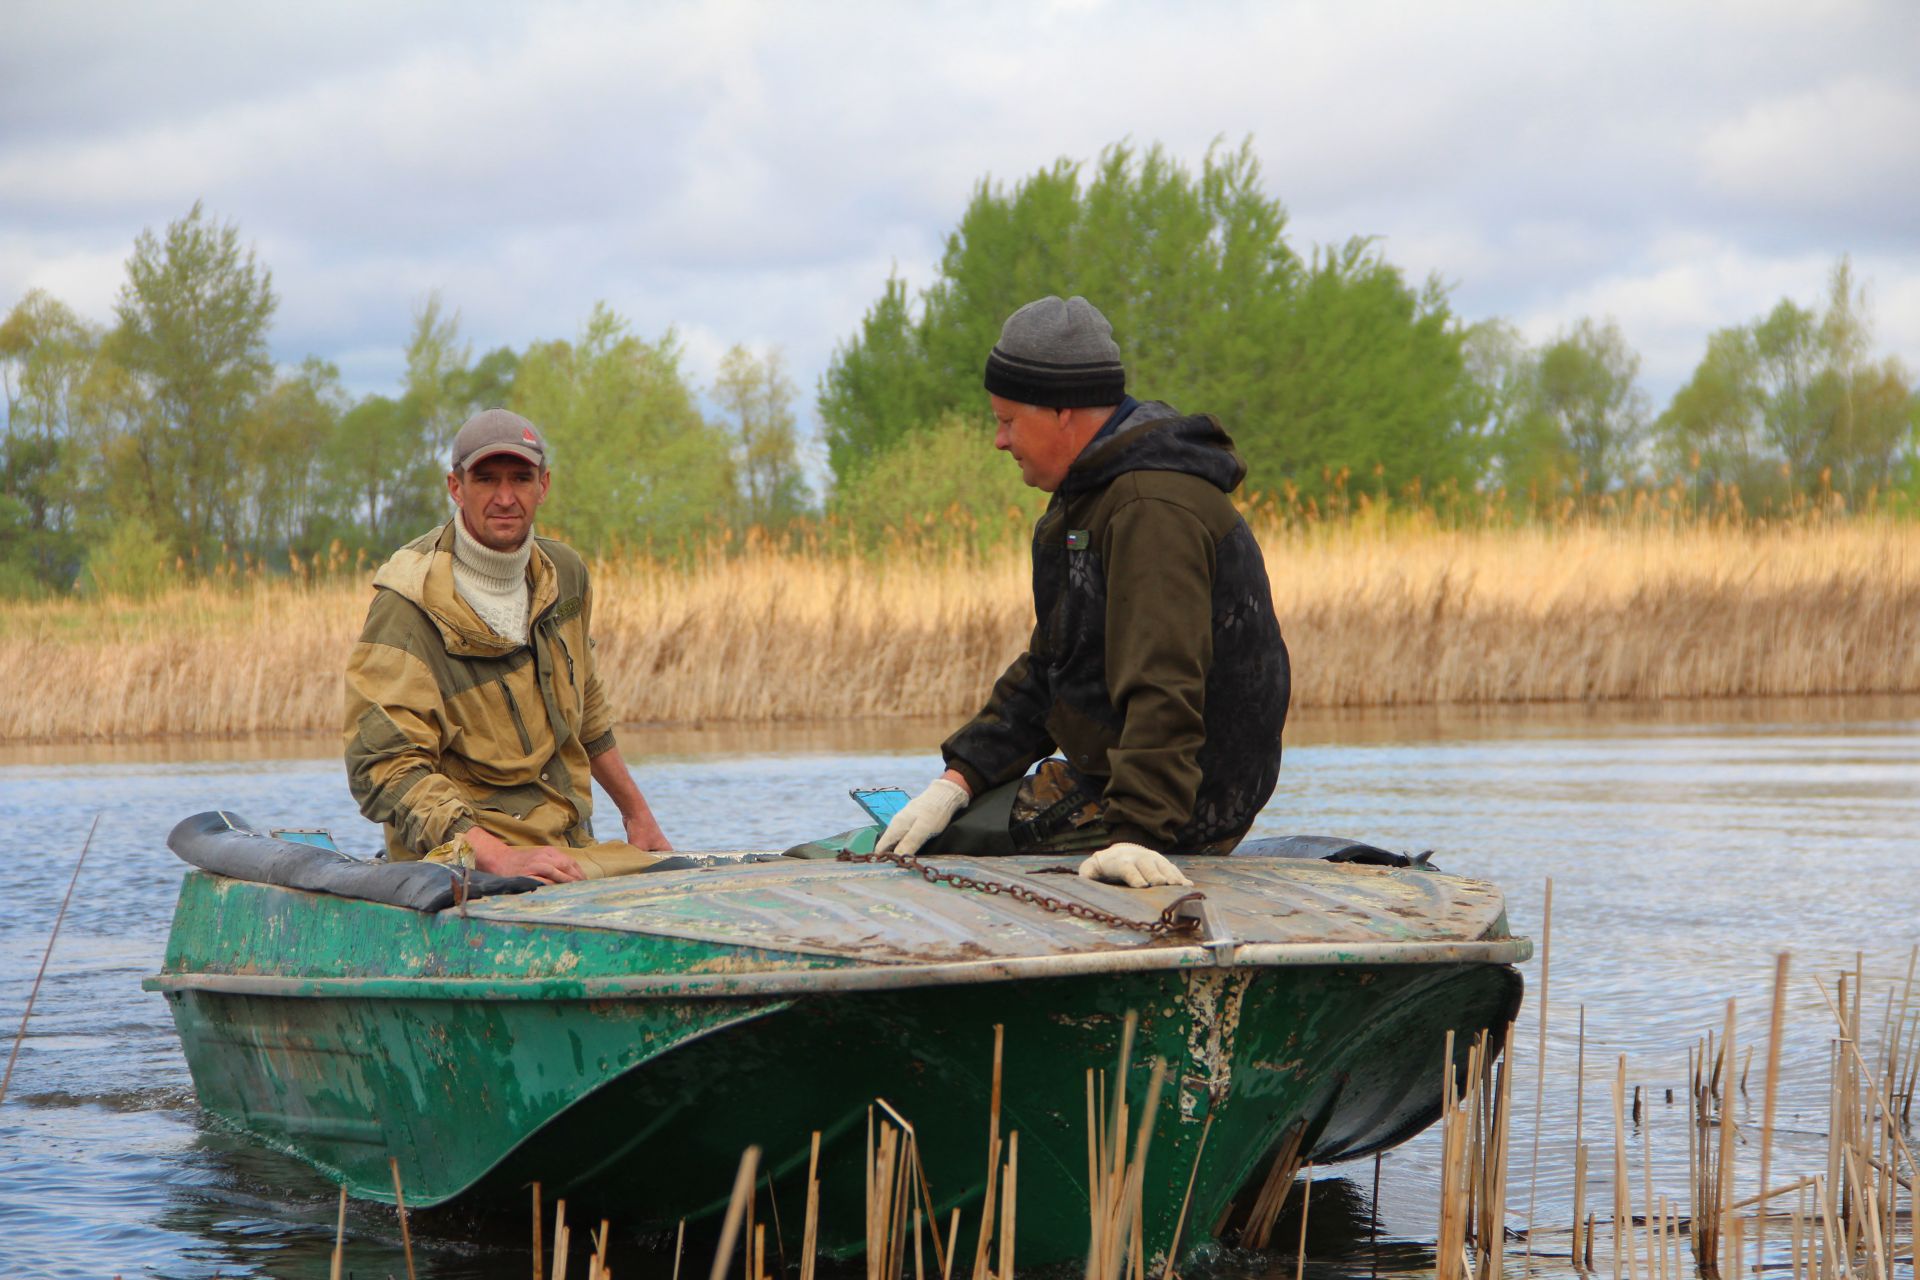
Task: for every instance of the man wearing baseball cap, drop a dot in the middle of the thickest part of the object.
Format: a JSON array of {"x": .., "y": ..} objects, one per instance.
[
  {"x": 1156, "y": 667},
  {"x": 476, "y": 721}
]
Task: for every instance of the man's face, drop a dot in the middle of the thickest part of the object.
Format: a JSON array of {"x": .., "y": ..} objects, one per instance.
[
  {"x": 497, "y": 498},
  {"x": 1037, "y": 438}
]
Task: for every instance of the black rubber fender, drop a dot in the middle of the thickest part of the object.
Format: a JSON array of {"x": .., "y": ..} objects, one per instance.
[{"x": 228, "y": 845}]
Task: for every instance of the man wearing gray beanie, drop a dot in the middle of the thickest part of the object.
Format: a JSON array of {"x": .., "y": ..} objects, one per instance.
[{"x": 1156, "y": 667}]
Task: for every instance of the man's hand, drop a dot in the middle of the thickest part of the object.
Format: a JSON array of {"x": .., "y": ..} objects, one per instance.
[
  {"x": 644, "y": 833},
  {"x": 610, "y": 771},
  {"x": 1133, "y": 865},
  {"x": 924, "y": 817},
  {"x": 542, "y": 862}
]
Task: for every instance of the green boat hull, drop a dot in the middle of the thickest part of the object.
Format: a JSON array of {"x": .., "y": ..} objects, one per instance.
[{"x": 483, "y": 1055}]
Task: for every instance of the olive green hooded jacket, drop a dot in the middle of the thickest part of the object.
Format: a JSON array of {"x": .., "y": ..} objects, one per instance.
[
  {"x": 1156, "y": 664},
  {"x": 449, "y": 726}
]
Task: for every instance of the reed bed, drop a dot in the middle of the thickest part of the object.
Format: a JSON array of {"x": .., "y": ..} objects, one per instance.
[{"x": 1374, "y": 615}]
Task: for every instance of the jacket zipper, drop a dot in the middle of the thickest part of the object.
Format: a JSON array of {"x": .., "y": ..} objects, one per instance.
[{"x": 513, "y": 707}]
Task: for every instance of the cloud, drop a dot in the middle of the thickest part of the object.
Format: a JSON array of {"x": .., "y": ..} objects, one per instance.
[
  {"x": 751, "y": 171},
  {"x": 1848, "y": 150}
]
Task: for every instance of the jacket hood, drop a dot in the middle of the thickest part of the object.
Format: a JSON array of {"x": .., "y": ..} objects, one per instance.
[
  {"x": 1155, "y": 437},
  {"x": 422, "y": 572}
]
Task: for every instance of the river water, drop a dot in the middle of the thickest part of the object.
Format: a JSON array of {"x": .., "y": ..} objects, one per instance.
[{"x": 1687, "y": 846}]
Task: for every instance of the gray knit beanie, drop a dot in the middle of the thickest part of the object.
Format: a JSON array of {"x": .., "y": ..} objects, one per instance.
[{"x": 1059, "y": 354}]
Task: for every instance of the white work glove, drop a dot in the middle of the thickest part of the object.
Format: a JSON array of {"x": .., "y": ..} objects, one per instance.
[
  {"x": 924, "y": 817},
  {"x": 1133, "y": 865}
]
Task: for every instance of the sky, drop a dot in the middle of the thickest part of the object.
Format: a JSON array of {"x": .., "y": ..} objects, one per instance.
[{"x": 746, "y": 172}]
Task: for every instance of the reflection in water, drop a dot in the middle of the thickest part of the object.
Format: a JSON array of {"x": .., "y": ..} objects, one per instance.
[{"x": 1686, "y": 844}]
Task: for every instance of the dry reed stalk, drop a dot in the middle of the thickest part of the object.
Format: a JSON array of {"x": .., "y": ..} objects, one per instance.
[
  {"x": 1116, "y": 1249},
  {"x": 34, "y": 993},
  {"x": 400, "y": 1206},
  {"x": 1257, "y": 1233},
  {"x": 562, "y": 1239},
  {"x": 1832, "y": 1235},
  {"x": 1420, "y": 616},
  {"x": 1776, "y": 1026},
  {"x": 743, "y": 1183},
  {"x": 1007, "y": 1194},
  {"x": 1646, "y": 1180},
  {"x": 1721, "y": 1171},
  {"x": 985, "y": 1241},
  {"x": 1874, "y": 1099},
  {"x": 889, "y": 1186},
  {"x": 810, "y": 1231},
  {"x": 1490, "y": 1183},
  {"x": 953, "y": 1245},
  {"x": 539, "y": 1249},
  {"x": 1306, "y": 1207},
  {"x": 1095, "y": 1161},
  {"x": 680, "y": 1248},
  {"x": 1580, "y": 1215},
  {"x": 1186, "y": 1200},
  {"x": 1451, "y": 1237},
  {"x": 1579, "y": 1138},
  {"x": 1540, "y": 1065},
  {"x": 1622, "y": 1191},
  {"x": 339, "y": 1237},
  {"x": 597, "y": 1264},
  {"x": 1799, "y": 1226}
]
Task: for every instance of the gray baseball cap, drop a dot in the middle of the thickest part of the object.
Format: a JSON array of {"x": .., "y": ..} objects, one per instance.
[{"x": 494, "y": 431}]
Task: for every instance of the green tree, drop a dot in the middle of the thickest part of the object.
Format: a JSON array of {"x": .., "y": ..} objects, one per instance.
[
  {"x": 1585, "y": 389},
  {"x": 944, "y": 480},
  {"x": 1793, "y": 401},
  {"x": 634, "y": 461},
  {"x": 756, "y": 397},
  {"x": 46, "y": 353},
  {"x": 193, "y": 318},
  {"x": 389, "y": 490},
  {"x": 282, "y": 464},
  {"x": 1313, "y": 364}
]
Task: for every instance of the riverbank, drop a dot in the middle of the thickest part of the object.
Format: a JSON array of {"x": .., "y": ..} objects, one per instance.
[{"x": 1373, "y": 617}]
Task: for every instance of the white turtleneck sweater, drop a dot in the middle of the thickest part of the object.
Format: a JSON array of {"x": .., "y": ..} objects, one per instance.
[{"x": 493, "y": 582}]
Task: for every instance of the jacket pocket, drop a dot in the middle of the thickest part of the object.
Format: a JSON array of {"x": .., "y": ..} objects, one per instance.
[
  {"x": 515, "y": 802},
  {"x": 1083, "y": 740}
]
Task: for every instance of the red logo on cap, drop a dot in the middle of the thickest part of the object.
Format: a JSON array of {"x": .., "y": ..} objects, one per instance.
[{"x": 526, "y": 433}]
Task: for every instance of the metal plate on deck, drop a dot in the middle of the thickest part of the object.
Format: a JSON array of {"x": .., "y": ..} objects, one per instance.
[{"x": 883, "y": 914}]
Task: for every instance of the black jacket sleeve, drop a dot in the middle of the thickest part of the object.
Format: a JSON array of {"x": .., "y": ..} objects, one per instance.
[{"x": 1009, "y": 734}]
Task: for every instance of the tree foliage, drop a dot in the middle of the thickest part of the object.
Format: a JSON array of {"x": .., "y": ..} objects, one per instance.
[
  {"x": 634, "y": 462},
  {"x": 1315, "y": 363},
  {"x": 192, "y": 327},
  {"x": 755, "y": 397},
  {"x": 1793, "y": 402},
  {"x": 170, "y": 438}
]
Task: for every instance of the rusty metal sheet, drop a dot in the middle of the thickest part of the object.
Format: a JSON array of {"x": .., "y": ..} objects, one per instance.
[{"x": 882, "y": 914}]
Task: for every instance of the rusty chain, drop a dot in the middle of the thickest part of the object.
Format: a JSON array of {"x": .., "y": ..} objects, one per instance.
[{"x": 1169, "y": 922}]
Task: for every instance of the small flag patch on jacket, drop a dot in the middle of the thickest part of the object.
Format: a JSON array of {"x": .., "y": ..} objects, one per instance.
[{"x": 1076, "y": 539}]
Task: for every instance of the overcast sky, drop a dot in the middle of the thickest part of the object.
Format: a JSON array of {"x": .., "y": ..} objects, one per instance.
[{"x": 749, "y": 172}]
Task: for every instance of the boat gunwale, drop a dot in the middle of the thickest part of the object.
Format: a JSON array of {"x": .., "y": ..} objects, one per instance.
[{"x": 801, "y": 981}]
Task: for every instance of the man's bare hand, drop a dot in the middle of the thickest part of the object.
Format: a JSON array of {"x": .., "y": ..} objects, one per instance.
[
  {"x": 540, "y": 862},
  {"x": 644, "y": 833}
]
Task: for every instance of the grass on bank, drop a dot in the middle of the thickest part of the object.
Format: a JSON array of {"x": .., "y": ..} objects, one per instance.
[{"x": 1376, "y": 612}]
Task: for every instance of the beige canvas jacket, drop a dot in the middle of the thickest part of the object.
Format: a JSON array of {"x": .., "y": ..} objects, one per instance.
[{"x": 449, "y": 726}]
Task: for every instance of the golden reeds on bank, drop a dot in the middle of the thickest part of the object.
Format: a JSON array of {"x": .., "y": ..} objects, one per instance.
[{"x": 1374, "y": 615}]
